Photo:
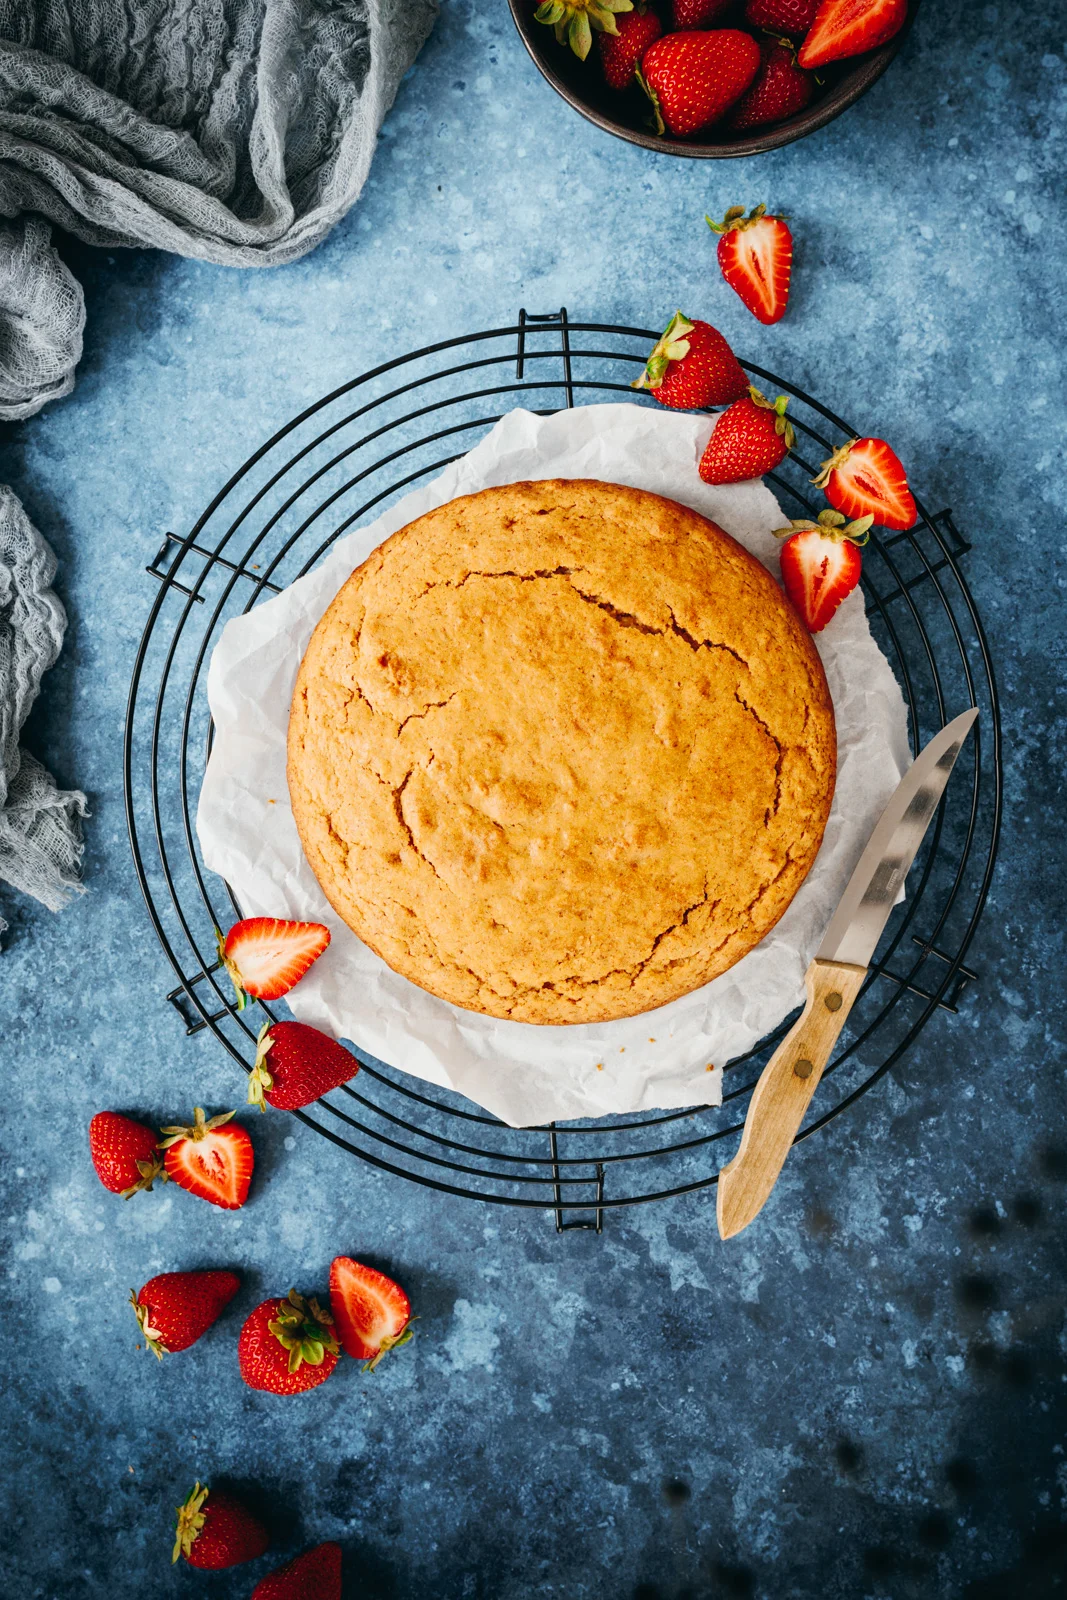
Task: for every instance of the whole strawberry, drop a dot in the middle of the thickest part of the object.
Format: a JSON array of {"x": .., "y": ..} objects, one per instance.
[
  {"x": 692, "y": 79},
  {"x": 125, "y": 1153},
  {"x": 781, "y": 16},
  {"x": 756, "y": 259},
  {"x": 691, "y": 367},
  {"x": 696, "y": 13},
  {"x": 175, "y": 1308},
  {"x": 843, "y": 28},
  {"x": 781, "y": 89},
  {"x": 621, "y": 51},
  {"x": 296, "y": 1064},
  {"x": 866, "y": 476},
  {"x": 214, "y": 1530},
  {"x": 821, "y": 564},
  {"x": 752, "y": 437},
  {"x": 316, "y": 1575},
  {"x": 575, "y": 21},
  {"x": 287, "y": 1346},
  {"x": 211, "y": 1158}
]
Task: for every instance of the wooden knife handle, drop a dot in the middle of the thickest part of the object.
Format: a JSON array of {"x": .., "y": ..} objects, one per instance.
[{"x": 783, "y": 1093}]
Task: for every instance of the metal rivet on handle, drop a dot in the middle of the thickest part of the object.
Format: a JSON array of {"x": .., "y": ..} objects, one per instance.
[
  {"x": 803, "y": 1068},
  {"x": 833, "y": 1002}
]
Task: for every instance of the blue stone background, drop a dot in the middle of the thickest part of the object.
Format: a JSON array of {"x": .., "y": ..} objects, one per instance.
[{"x": 864, "y": 1395}]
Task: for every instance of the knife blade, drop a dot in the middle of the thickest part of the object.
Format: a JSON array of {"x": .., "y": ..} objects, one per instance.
[{"x": 834, "y": 979}]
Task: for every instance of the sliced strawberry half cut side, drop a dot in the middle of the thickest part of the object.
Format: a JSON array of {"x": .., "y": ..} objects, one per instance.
[
  {"x": 756, "y": 259},
  {"x": 822, "y": 564},
  {"x": 849, "y": 27},
  {"x": 372, "y": 1314},
  {"x": 212, "y": 1159},
  {"x": 866, "y": 478},
  {"x": 266, "y": 956}
]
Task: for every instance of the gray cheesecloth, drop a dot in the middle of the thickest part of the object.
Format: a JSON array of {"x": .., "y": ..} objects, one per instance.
[{"x": 236, "y": 131}]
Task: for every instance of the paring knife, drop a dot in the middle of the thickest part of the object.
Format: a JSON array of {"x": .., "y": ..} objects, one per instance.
[{"x": 833, "y": 981}]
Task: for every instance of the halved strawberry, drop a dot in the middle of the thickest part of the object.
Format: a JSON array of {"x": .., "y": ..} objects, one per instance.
[
  {"x": 124, "y": 1153},
  {"x": 212, "y": 1159},
  {"x": 372, "y": 1313},
  {"x": 751, "y": 437},
  {"x": 621, "y": 51},
  {"x": 865, "y": 477},
  {"x": 756, "y": 259},
  {"x": 315, "y": 1575},
  {"x": 692, "y": 366},
  {"x": 265, "y": 956},
  {"x": 849, "y": 27},
  {"x": 821, "y": 564}
]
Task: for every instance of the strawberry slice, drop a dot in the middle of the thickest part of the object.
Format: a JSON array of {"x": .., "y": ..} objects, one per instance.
[
  {"x": 372, "y": 1314},
  {"x": 265, "y": 956},
  {"x": 212, "y": 1159},
  {"x": 865, "y": 477},
  {"x": 821, "y": 564},
  {"x": 756, "y": 259},
  {"x": 849, "y": 27}
]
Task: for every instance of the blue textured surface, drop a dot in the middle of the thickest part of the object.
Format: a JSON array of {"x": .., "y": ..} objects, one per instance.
[{"x": 865, "y": 1395}]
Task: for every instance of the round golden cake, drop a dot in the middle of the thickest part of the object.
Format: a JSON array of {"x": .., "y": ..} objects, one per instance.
[{"x": 561, "y": 751}]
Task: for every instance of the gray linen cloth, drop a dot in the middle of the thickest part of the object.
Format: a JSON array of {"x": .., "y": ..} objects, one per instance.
[{"x": 236, "y": 131}]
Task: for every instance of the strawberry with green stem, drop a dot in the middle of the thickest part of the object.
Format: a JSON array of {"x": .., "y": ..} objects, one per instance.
[
  {"x": 867, "y": 476},
  {"x": 214, "y": 1530},
  {"x": 211, "y": 1158},
  {"x": 373, "y": 1314},
  {"x": 750, "y": 438},
  {"x": 575, "y": 21},
  {"x": 265, "y": 957},
  {"x": 287, "y": 1346},
  {"x": 756, "y": 259},
  {"x": 692, "y": 367},
  {"x": 296, "y": 1064},
  {"x": 821, "y": 563},
  {"x": 125, "y": 1153},
  {"x": 175, "y": 1308}
]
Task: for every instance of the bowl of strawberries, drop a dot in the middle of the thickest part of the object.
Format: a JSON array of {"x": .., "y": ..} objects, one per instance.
[{"x": 712, "y": 78}]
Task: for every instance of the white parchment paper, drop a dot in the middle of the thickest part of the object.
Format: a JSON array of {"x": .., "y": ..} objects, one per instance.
[{"x": 523, "y": 1073}]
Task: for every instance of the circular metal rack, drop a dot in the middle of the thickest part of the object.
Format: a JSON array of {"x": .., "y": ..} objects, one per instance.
[{"x": 348, "y": 456}]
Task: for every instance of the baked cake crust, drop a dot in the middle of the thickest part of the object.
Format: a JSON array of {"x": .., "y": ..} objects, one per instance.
[{"x": 561, "y": 751}]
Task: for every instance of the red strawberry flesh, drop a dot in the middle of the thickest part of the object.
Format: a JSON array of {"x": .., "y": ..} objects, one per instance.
[
  {"x": 372, "y": 1313},
  {"x": 756, "y": 259},
  {"x": 211, "y": 1159},
  {"x": 266, "y": 956},
  {"x": 866, "y": 478},
  {"x": 849, "y": 27},
  {"x": 818, "y": 573}
]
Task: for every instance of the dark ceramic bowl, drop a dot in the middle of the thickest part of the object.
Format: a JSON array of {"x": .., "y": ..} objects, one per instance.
[{"x": 582, "y": 85}]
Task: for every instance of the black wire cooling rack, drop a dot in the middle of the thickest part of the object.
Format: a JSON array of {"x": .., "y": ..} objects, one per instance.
[{"x": 348, "y": 456}]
